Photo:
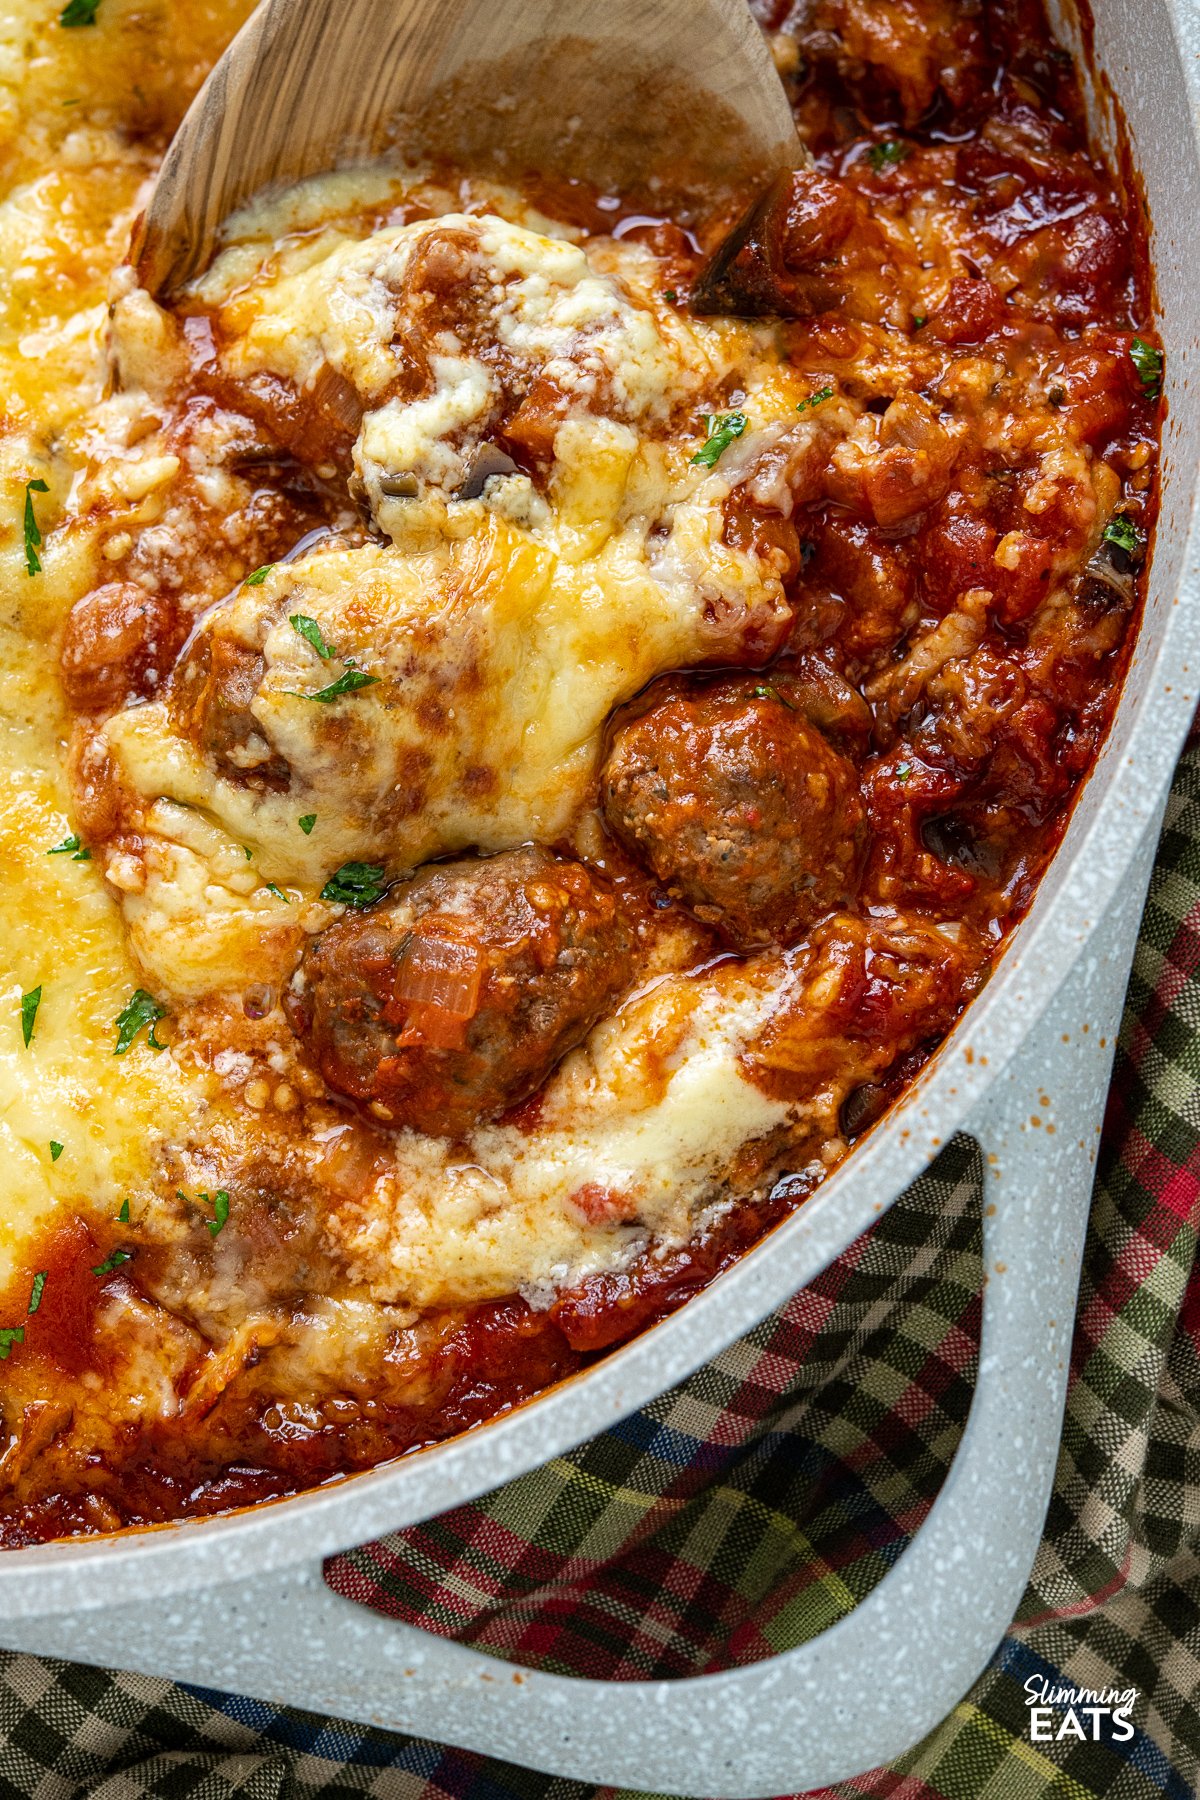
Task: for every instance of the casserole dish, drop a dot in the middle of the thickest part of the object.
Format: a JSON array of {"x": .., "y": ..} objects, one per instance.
[{"x": 1044, "y": 1027}]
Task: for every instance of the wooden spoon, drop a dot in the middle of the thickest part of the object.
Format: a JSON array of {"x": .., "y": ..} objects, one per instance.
[{"x": 661, "y": 101}]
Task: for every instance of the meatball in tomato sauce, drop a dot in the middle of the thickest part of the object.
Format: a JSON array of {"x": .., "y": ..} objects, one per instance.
[
  {"x": 118, "y": 643},
  {"x": 212, "y": 696},
  {"x": 455, "y": 997},
  {"x": 739, "y": 805}
]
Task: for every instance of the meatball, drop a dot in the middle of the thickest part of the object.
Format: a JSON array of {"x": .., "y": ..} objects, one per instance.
[
  {"x": 118, "y": 642},
  {"x": 212, "y": 692},
  {"x": 739, "y": 805},
  {"x": 455, "y": 997}
]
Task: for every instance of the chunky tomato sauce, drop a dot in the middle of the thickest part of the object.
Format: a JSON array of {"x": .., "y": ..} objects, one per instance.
[{"x": 963, "y": 571}]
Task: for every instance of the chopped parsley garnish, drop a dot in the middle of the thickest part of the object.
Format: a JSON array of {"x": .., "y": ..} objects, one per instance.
[
  {"x": 112, "y": 1262},
  {"x": 355, "y": 884},
  {"x": 79, "y": 12},
  {"x": 903, "y": 771},
  {"x": 770, "y": 693},
  {"x": 72, "y": 847},
  {"x": 33, "y": 534},
  {"x": 1124, "y": 534},
  {"x": 123, "y": 1215},
  {"x": 218, "y": 1201},
  {"x": 143, "y": 1010},
  {"x": 887, "y": 155},
  {"x": 35, "y": 1292},
  {"x": 918, "y": 320},
  {"x": 722, "y": 428},
  {"x": 348, "y": 682},
  {"x": 247, "y": 852},
  {"x": 670, "y": 296},
  {"x": 56, "y": 1149},
  {"x": 279, "y": 893},
  {"x": 1149, "y": 364},
  {"x": 10, "y": 1335},
  {"x": 306, "y": 823},
  {"x": 817, "y": 399},
  {"x": 29, "y": 1010},
  {"x": 259, "y": 576},
  {"x": 312, "y": 634}
]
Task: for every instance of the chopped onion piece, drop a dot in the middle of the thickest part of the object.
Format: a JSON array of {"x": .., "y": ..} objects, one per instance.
[
  {"x": 334, "y": 398},
  {"x": 438, "y": 982}
]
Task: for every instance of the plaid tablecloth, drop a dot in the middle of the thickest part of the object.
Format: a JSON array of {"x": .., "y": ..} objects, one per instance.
[{"x": 750, "y": 1507}]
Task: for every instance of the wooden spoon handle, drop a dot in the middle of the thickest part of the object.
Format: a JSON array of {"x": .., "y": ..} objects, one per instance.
[{"x": 662, "y": 101}]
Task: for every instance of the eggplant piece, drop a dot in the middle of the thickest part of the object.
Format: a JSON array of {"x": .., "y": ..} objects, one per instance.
[
  {"x": 487, "y": 461},
  {"x": 795, "y": 253}
]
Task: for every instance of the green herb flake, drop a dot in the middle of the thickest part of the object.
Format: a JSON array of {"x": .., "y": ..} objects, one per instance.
[
  {"x": 29, "y": 1011},
  {"x": 35, "y": 1292},
  {"x": 247, "y": 852},
  {"x": 904, "y": 772},
  {"x": 670, "y": 296},
  {"x": 10, "y": 1335},
  {"x": 312, "y": 634},
  {"x": 348, "y": 682},
  {"x": 1124, "y": 534},
  {"x": 33, "y": 534},
  {"x": 259, "y": 576},
  {"x": 123, "y": 1215},
  {"x": 887, "y": 155},
  {"x": 113, "y": 1262},
  {"x": 220, "y": 1206},
  {"x": 918, "y": 320},
  {"x": 306, "y": 823},
  {"x": 722, "y": 428},
  {"x": 279, "y": 893},
  {"x": 814, "y": 400},
  {"x": 142, "y": 1010},
  {"x": 1148, "y": 361},
  {"x": 355, "y": 884},
  {"x": 72, "y": 847},
  {"x": 79, "y": 12},
  {"x": 56, "y": 1150},
  {"x": 770, "y": 693}
]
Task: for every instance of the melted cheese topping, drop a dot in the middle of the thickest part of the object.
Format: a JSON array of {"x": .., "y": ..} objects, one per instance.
[
  {"x": 499, "y": 631},
  {"x": 73, "y": 162},
  {"x": 60, "y": 935},
  {"x": 616, "y": 1159}
]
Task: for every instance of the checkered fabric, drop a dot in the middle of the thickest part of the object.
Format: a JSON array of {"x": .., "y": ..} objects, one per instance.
[{"x": 744, "y": 1511}]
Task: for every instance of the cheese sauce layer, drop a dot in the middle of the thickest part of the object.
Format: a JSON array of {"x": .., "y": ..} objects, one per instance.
[{"x": 522, "y": 725}]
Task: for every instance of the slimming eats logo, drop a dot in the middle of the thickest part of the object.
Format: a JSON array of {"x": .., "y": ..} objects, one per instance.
[{"x": 1060, "y": 1713}]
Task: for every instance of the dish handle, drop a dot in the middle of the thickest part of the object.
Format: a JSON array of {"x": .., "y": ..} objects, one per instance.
[{"x": 867, "y": 1688}]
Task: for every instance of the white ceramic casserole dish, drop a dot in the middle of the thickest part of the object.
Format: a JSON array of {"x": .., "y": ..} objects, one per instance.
[{"x": 241, "y": 1599}]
